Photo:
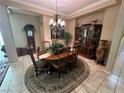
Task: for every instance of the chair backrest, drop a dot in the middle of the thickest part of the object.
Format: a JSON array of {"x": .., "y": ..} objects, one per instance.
[
  {"x": 62, "y": 61},
  {"x": 77, "y": 49},
  {"x": 38, "y": 52},
  {"x": 32, "y": 58},
  {"x": 76, "y": 52},
  {"x": 47, "y": 44},
  {"x": 63, "y": 57},
  {"x": 67, "y": 50}
]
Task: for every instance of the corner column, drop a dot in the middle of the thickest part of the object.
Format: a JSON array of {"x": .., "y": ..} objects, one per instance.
[
  {"x": 118, "y": 34},
  {"x": 6, "y": 32}
]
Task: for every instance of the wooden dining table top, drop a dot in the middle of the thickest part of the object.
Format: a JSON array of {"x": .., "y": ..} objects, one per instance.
[{"x": 49, "y": 56}]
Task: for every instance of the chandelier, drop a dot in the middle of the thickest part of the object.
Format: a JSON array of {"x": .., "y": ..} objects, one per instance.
[{"x": 56, "y": 23}]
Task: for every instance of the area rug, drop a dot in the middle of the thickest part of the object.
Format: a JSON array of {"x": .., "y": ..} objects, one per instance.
[
  {"x": 3, "y": 69},
  {"x": 45, "y": 83}
]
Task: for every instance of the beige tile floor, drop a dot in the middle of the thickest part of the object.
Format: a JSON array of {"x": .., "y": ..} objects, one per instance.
[{"x": 99, "y": 81}]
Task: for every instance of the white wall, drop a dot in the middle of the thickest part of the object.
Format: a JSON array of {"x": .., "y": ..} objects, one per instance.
[
  {"x": 89, "y": 18},
  {"x": 118, "y": 34},
  {"x": 18, "y": 21},
  {"x": 71, "y": 30},
  {"x": 119, "y": 62},
  {"x": 1, "y": 39},
  {"x": 108, "y": 19},
  {"x": 109, "y": 23},
  {"x": 46, "y": 29}
]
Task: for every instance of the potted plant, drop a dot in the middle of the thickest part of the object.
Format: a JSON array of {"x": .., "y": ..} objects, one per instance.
[{"x": 56, "y": 47}]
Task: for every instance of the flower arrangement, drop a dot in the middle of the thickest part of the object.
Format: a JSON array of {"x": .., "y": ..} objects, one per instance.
[{"x": 56, "y": 47}]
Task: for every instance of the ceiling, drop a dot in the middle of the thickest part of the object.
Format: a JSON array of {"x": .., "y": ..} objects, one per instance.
[{"x": 64, "y": 7}]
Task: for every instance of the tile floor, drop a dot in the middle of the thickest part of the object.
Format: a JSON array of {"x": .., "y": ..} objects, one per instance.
[{"x": 99, "y": 81}]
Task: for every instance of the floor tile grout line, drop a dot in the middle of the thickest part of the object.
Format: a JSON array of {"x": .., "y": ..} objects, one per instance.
[
  {"x": 93, "y": 76},
  {"x": 10, "y": 83},
  {"x": 86, "y": 89},
  {"x": 118, "y": 78},
  {"x": 89, "y": 82},
  {"x": 100, "y": 85}
]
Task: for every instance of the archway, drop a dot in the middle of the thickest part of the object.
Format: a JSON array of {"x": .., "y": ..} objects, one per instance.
[
  {"x": 119, "y": 62},
  {"x": 3, "y": 56},
  {"x": 3, "y": 60},
  {"x": 118, "y": 70}
]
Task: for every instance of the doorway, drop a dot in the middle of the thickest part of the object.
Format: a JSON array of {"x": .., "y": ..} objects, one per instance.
[
  {"x": 4, "y": 64},
  {"x": 3, "y": 56},
  {"x": 118, "y": 69}
]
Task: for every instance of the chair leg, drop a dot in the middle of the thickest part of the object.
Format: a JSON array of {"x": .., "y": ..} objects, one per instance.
[
  {"x": 59, "y": 75},
  {"x": 70, "y": 66},
  {"x": 49, "y": 72},
  {"x": 36, "y": 73},
  {"x": 61, "y": 72}
]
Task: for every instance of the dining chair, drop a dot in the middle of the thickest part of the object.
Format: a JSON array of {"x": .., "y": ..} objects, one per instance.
[
  {"x": 76, "y": 52},
  {"x": 45, "y": 44},
  {"x": 72, "y": 61},
  {"x": 60, "y": 64},
  {"x": 39, "y": 52},
  {"x": 39, "y": 65}
]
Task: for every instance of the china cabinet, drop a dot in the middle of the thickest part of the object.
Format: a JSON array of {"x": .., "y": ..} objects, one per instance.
[{"x": 89, "y": 36}]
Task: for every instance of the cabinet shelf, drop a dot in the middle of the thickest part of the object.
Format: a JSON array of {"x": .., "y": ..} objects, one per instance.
[{"x": 89, "y": 36}]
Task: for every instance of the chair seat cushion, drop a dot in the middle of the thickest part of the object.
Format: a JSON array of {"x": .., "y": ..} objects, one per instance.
[{"x": 59, "y": 64}]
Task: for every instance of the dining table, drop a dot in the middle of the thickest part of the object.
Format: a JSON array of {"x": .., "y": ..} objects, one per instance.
[{"x": 51, "y": 57}]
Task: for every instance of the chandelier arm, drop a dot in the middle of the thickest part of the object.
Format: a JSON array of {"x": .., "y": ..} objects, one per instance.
[
  {"x": 57, "y": 24},
  {"x": 56, "y": 7}
]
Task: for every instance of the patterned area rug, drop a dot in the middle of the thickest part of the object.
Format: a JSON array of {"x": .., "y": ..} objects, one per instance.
[
  {"x": 3, "y": 69},
  {"x": 45, "y": 83}
]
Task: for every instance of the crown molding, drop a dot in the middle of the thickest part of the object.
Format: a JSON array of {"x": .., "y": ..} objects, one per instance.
[
  {"x": 19, "y": 11},
  {"x": 91, "y": 8},
  {"x": 3, "y": 1},
  {"x": 34, "y": 8},
  {"x": 43, "y": 11}
]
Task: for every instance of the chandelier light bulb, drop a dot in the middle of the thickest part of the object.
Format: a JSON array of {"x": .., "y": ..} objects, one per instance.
[
  {"x": 59, "y": 21},
  {"x": 54, "y": 24},
  {"x": 51, "y": 22},
  {"x": 63, "y": 23}
]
